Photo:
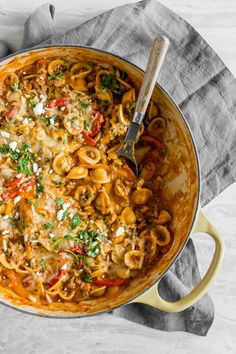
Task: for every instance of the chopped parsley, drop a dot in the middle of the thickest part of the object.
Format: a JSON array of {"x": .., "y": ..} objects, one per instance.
[
  {"x": 23, "y": 157},
  {"x": 57, "y": 183},
  {"x": 32, "y": 103},
  {"x": 56, "y": 76},
  {"x": 65, "y": 214},
  {"x": 50, "y": 120},
  {"x": 47, "y": 121},
  {"x": 43, "y": 264},
  {"x": 83, "y": 104},
  {"x": 86, "y": 123},
  {"x": 92, "y": 240},
  {"x": 59, "y": 201},
  {"x": 75, "y": 221},
  {"x": 88, "y": 278},
  {"x": 39, "y": 188},
  {"x": 94, "y": 249},
  {"x": 15, "y": 87},
  {"x": 61, "y": 239},
  {"x": 48, "y": 225},
  {"x": 108, "y": 81}
]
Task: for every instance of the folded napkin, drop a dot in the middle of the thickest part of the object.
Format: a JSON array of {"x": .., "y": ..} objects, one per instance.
[{"x": 203, "y": 88}]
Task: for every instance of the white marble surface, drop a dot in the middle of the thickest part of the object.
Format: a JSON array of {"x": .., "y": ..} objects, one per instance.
[{"x": 215, "y": 20}]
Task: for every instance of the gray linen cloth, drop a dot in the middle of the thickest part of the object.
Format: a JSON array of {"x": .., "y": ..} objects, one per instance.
[{"x": 204, "y": 89}]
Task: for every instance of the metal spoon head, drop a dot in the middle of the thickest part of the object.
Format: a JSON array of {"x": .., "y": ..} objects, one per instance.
[{"x": 127, "y": 151}]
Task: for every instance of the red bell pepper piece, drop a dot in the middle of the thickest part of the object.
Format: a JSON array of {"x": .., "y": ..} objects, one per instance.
[
  {"x": 80, "y": 264},
  {"x": 58, "y": 102},
  {"x": 88, "y": 139},
  {"x": 96, "y": 125},
  {"x": 15, "y": 182},
  {"x": 57, "y": 277},
  {"x": 25, "y": 185},
  {"x": 12, "y": 112},
  {"x": 12, "y": 193},
  {"x": 108, "y": 282},
  {"x": 77, "y": 249},
  {"x": 20, "y": 187}
]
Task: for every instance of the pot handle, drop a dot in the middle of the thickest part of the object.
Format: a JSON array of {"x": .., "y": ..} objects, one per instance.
[{"x": 152, "y": 297}]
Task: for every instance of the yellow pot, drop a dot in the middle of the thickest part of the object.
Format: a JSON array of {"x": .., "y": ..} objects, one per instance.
[{"x": 182, "y": 188}]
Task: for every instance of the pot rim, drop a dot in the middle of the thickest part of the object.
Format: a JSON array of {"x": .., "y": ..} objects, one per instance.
[{"x": 72, "y": 315}]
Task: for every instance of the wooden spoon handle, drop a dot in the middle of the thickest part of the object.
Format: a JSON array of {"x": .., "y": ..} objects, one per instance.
[{"x": 156, "y": 58}]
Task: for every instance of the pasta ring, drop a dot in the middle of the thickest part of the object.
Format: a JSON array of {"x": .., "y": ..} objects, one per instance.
[
  {"x": 89, "y": 154},
  {"x": 84, "y": 195},
  {"x": 78, "y": 84},
  {"x": 120, "y": 189},
  {"x": 121, "y": 81},
  {"x": 121, "y": 116},
  {"x": 134, "y": 259},
  {"x": 103, "y": 203},
  {"x": 141, "y": 196},
  {"x": 163, "y": 218},
  {"x": 80, "y": 70},
  {"x": 56, "y": 66},
  {"x": 62, "y": 163},
  {"x": 128, "y": 216},
  {"x": 77, "y": 172},
  {"x": 152, "y": 110},
  {"x": 156, "y": 126},
  {"x": 162, "y": 235},
  {"x": 148, "y": 171},
  {"x": 73, "y": 123},
  {"x": 99, "y": 175},
  {"x": 148, "y": 244},
  {"x": 128, "y": 97}
]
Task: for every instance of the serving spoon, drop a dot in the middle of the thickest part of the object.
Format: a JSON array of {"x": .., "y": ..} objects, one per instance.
[{"x": 156, "y": 58}]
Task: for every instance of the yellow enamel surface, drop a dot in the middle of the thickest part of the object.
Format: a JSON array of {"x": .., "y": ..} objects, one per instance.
[{"x": 152, "y": 297}]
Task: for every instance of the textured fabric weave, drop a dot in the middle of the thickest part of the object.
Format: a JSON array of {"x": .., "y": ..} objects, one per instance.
[{"x": 203, "y": 88}]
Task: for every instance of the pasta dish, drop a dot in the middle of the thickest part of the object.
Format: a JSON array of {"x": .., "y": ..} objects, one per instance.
[{"x": 75, "y": 221}]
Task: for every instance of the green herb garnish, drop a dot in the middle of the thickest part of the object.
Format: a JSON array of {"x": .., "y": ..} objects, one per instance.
[
  {"x": 65, "y": 214},
  {"x": 75, "y": 221},
  {"x": 15, "y": 87},
  {"x": 23, "y": 165},
  {"x": 83, "y": 104},
  {"x": 57, "y": 183},
  {"x": 23, "y": 157},
  {"x": 32, "y": 103},
  {"x": 48, "y": 225},
  {"x": 59, "y": 201},
  {"x": 46, "y": 121},
  {"x": 43, "y": 264},
  {"x": 88, "y": 278},
  {"x": 94, "y": 249},
  {"x": 86, "y": 123},
  {"x": 39, "y": 188},
  {"x": 61, "y": 239},
  {"x": 83, "y": 235},
  {"x": 50, "y": 120},
  {"x": 108, "y": 81},
  {"x": 56, "y": 76}
]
